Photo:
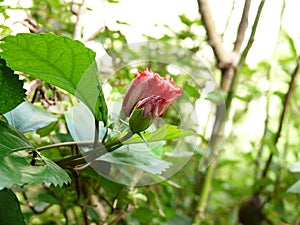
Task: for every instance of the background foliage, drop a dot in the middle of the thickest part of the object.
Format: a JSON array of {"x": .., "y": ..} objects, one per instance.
[{"x": 253, "y": 179}]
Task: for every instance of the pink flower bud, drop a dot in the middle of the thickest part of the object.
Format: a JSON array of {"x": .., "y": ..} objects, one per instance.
[{"x": 152, "y": 93}]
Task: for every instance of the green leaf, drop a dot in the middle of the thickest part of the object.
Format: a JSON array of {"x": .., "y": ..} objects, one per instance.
[
  {"x": 144, "y": 214},
  {"x": 93, "y": 214},
  {"x": 49, "y": 172},
  {"x": 295, "y": 188},
  {"x": 191, "y": 90},
  {"x": 109, "y": 186},
  {"x": 184, "y": 19},
  {"x": 10, "y": 211},
  {"x": 113, "y": 1},
  {"x": 46, "y": 130},
  {"x": 15, "y": 167},
  {"x": 47, "y": 197},
  {"x": 60, "y": 61},
  {"x": 166, "y": 132},
  {"x": 291, "y": 43},
  {"x": 143, "y": 160},
  {"x": 11, "y": 89},
  {"x": 12, "y": 140},
  {"x": 81, "y": 124},
  {"x": 27, "y": 117}
]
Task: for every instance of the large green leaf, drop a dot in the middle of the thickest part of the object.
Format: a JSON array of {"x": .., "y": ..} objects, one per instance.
[
  {"x": 143, "y": 160},
  {"x": 27, "y": 117},
  {"x": 11, "y": 89},
  {"x": 10, "y": 212},
  {"x": 15, "y": 167},
  {"x": 60, "y": 61},
  {"x": 166, "y": 132},
  {"x": 81, "y": 124}
]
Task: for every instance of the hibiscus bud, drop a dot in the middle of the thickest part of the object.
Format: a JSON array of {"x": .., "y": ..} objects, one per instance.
[
  {"x": 138, "y": 122},
  {"x": 148, "y": 97}
]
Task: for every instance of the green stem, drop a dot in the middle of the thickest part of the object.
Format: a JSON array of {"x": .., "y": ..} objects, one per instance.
[
  {"x": 96, "y": 135},
  {"x": 235, "y": 78},
  {"x": 230, "y": 76},
  {"x": 65, "y": 144},
  {"x": 83, "y": 158},
  {"x": 282, "y": 116},
  {"x": 204, "y": 194}
]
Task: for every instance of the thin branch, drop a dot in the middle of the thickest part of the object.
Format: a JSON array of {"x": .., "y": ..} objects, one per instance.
[
  {"x": 242, "y": 27},
  {"x": 89, "y": 156},
  {"x": 118, "y": 217},
  {"x": 96, "y": 135},
  {"x": 229, "y": 17},
  {"x": 80, "y": 196},
  {"x": 204, "y": 195},
  {"x": 65, "y": 144},
  {"x": 79, "y": 22},
  {"x": 31, "y": 206},
  {"x": 244, "y": 55},
  {"x": 214, "y": 39},
  {"x": 229, "y": 81},
  {"x": 258, "y": 160},
  {"x": 283, "y": 114},
  {"x": 92, "y": 37},
  {"x": 253, "y": 32},
  {"x": 121, "y": 214},
  {"x": 260, "y": 151}
]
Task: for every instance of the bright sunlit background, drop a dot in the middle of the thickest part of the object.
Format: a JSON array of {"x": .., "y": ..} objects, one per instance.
[
  {"x": 137, "y": 18},
  {"x": 150, "y": 17}
]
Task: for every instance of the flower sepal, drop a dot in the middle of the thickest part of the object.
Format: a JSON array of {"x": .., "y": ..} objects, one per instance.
[{"x": 137, "y": 122}]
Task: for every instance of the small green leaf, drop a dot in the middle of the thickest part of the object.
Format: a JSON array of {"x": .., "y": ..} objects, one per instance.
[
  {"x": 144, "y": 214},
  {"x": 10, "y": 211},
  {"x": 47, "y": 197},
  {"x": 291, "y": 43},
  {"x": 11, "y": 89},
  {"x": 57, "y": 60},
  {"x": 46, "y": 130},
  {"x": 184, "y": 19},
  {"x": 113, "y": 1},
  {"x": 15, "y": 167},
  {"x": 191, "y": 90},
  {"x": 166, "y": 132},
  {"x": 27, "y": 117},
  {"x": 12, "y": 140},
  {"x": 93, "y": 214}
]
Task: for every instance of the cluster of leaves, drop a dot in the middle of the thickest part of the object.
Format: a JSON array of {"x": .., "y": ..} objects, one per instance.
[{"x": 70, "y": 66}]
